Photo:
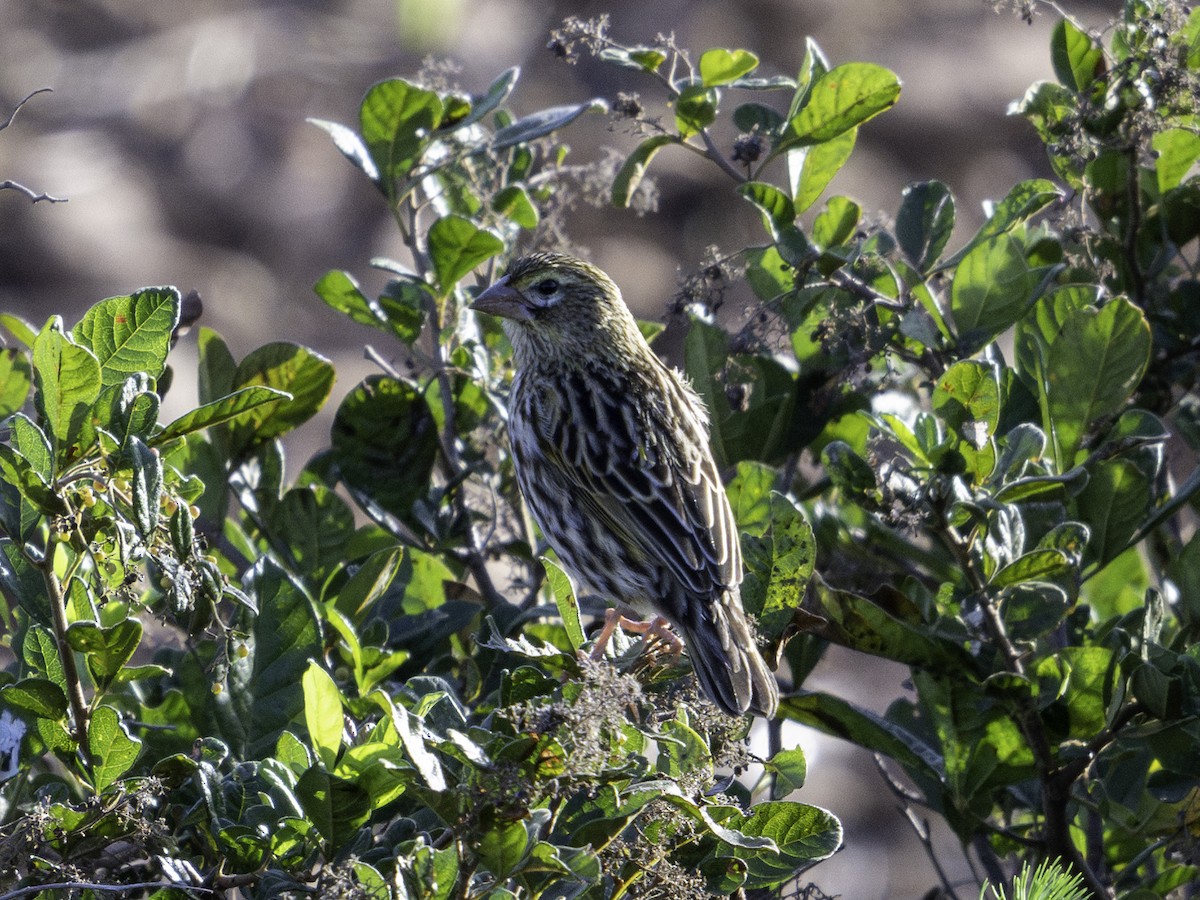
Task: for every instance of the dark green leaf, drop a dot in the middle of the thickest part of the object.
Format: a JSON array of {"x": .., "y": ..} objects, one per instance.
[
  {"x": 1038, "y": 565},
  {"x": 227, "y": 409},
  {"x": 836, "y": 223},
  {"x": 630, "y": 175},
  {"x": 39, "y": 696},
  {"x": 24, "y": 493},
  {"x": 264, "y": 691},
  {"x": 147, "y": 485},
  {"x": 925, "y": 222},
  {"x": 130, "y": 334},
  {"x": 756, "y": 117},
  {"x": 496, "y": 94},
  {"x": 107, "y": 649},
  {"x": 305, "y": 375},
  {"x": 21, "y": 581},
  {"x": 385, "y": 442},
  {"x": 1114, "y": 504},
  {"x": 540, "y": 124}
]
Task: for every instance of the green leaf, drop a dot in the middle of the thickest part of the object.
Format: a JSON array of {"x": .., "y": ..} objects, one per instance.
[
  {"x": 403, "y": 303},
  {"x": 513, "y": 202},
  {"x": 491, "y": 99},
  {"x": 311, "y": 526},
  {"x": 992, "y": 287},
  {"x": 540, "y": 124},
  {"x": 16, "y": 377},
  {"x": 25, "y": 493},
  {"x": 20, "y": 580},
  {"x": 778, "y": 211},
  {"x": 564, "y": 599},
  {"x": 779, "y": 565},
  {"x": 337, "y": 807},
  {"x": 968, "y": 393},
  {"x": 836, "y": 223},
  {"x": 813, "y": 167},
  {"x": 1022, "y": 202},
  {"x": 39, "y": 696},
  {"x": 20, "y": 329},
  {"x": 341, "y": 292},
  {"x": 925, "y": 222},
  {"x": 305, "y": 375},
  {"x": 456, "y": 246},
  {"x": 502, "y": 846},
  {"x": 1114, "y": 504},
  {"x": 803, "y": 834},
  {"x": 695, "y": 109},
  {"x": 147, "y": 485},
  {"x": 370, "y": 582},
  {"x": 217, "y": 367},
  {"x": 322, "y": 713},
  {"x": 856, "y": 622},
  {"x": 719, "y": 66},
  {"x": 107, "y": 650},
  {"x": 384, "y": 440},
  {"x": 1038, "y": 565},
  {"x": 750, "y": 494},
  {"x": 841, "y": 99},
  {"x": 68, "y": 382},
  {"x": 226, "y": 410},
  {"x": 757, "y": 117},
  {"x": 40, "y": 652},
  {"x": 1077, "y": 60},
  {"x": 112, "y": 750},
  {"x": 1093, "y": 367},
  {"x": 130, "y": 334},
  {"x": 396, "y": 118},
  {"x": 1177, "y": 150},
  {"x": 789, "y": 769},
  {"x": 629, "y": 176},
  {"x": 265, "y": 692}
]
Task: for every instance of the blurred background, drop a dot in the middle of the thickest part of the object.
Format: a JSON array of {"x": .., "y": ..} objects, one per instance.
[{"x": 176, "y": 131}]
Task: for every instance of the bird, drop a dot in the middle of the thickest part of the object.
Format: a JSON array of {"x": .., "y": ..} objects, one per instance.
[{"x": 611, "y": 451}]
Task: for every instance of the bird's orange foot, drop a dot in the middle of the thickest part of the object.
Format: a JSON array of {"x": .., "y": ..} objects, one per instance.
[{"x": 656, "y": 634}]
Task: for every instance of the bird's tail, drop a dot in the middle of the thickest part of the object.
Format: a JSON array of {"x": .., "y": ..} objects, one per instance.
[{"x": 725, "y": 657}]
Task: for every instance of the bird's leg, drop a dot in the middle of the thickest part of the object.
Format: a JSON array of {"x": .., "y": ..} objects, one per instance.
[
  {"x": 612, "y": 621},
  {"x": 656, "y": 634}
]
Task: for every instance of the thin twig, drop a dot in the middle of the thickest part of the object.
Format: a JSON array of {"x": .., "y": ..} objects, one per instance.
[
  {"x": 16, "y": 109},
  {"x": 58, "y": 613},
  {"x": 28, "y": 192}
]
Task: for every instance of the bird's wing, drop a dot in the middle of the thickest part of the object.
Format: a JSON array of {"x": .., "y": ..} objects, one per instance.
[{"x": 646, "y": 469}]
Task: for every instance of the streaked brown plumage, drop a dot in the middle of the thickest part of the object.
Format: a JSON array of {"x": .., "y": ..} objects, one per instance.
[{"x": 611, "y": 451}]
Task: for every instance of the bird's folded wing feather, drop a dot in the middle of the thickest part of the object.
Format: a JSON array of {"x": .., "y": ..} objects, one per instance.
[{"x": 630, "y": 464}]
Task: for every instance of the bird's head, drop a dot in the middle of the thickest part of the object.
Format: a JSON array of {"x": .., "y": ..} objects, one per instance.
[{"x": 560, "y": 306}]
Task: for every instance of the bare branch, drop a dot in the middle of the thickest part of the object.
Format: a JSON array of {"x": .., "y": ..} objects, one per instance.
[
  {"x": 17, "y": 108},
  {"x": 92, "y": 886},
  {"x": 32, "y": 195}
]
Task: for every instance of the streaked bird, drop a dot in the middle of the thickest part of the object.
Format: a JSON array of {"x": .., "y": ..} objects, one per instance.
[{"x": 611, "y": 449}]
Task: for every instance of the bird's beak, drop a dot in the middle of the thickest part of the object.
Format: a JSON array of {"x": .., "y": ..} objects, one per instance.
[{"x": 502, "y": 300}]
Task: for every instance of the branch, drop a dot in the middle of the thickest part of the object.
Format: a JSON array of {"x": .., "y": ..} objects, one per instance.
[
  {"x": 58, "y": 612},
  {"x": 16, "y": 109},
  {"x": 28, "y": 192}
]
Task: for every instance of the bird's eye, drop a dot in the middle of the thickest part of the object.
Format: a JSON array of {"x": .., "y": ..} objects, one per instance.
[{"x": 547, "y": 287}]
